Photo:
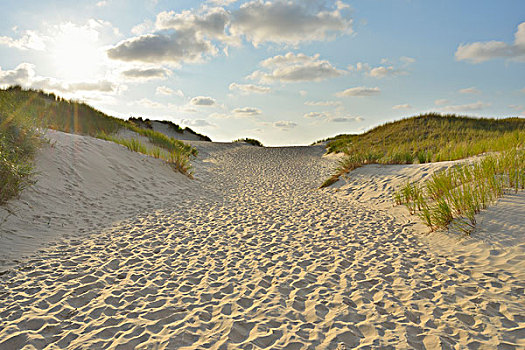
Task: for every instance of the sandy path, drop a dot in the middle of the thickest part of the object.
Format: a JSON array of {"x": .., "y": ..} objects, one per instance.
[{"x": 266, "y": 262}]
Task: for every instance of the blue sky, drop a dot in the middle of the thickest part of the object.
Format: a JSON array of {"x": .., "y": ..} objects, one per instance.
[{"x": 284, "y": 72}]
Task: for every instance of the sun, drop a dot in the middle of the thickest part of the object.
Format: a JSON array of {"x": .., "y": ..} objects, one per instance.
[{"x": 76, "y": 52}]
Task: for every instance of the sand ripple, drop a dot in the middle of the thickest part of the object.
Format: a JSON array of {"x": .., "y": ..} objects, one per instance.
[{"x": 268, "y": 262}]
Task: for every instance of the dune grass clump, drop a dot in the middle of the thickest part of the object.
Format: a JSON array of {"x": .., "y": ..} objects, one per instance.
[
  {"x": 178, "y": 160},
  {"x": 454, "y": 196},
  {"x": 19, "y": 140},
  {"x": 250, "y": 141},
  {"x": 428, "y": 138},
  {"x": 23, "y": 111}
]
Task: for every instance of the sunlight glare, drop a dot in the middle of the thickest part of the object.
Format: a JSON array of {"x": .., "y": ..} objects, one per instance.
[{"x": 75, "y": 52}]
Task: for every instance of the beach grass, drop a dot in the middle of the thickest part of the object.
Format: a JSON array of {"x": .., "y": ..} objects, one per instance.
[
  {"x": 251, "y": 141},
  {"x": 454, "y": 196},
  {"x": 25, "y": 112},
  {"x": 427, "y": 138}
]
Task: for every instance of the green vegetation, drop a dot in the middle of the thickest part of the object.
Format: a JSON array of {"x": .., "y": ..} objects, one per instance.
[
  {"x": 456, "y": 195},
  {"x": 178, "y": 159},
  {"x": 253, "y": 142},
  {"x": 426, "y": 138},
  {"x": 147, "y": 124},
  {"x": 19, "y": 140},
  {"x": 24, "y": 112}
]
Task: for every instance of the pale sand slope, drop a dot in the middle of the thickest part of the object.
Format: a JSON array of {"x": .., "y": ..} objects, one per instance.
[
  {"x": 83, "y": 184},
  {"x": 267, "y": 262}
]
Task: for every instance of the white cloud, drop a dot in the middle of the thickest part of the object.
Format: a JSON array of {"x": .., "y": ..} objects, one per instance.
[
  {"x": 359, "y": 92},
  {"x": 222, "y": 2},
  {"x": 143, "y": 28},
  {"x": 175, "y": 48},
  {"x": 191, "y": 36},
  {"x": 470, "y": 90},
  {"x": 441, "y": 102},
  {"x": 202, "y": 101},
  {"x": 247, "y": 111},
  {"x": 382, "y": 71},
  {"x": 476, "y": 106},
  {"x": 345, "y": 119},
  {"x": 402, "y": 106},
  {"x": 102, "y": 3},
  {"x": 315, "y": 115},
  {"x": 484, "y": 51},
  {"x": 250, "y": 88},
  {"x": 285, "y": 124},
  {"x": 295, "y": 68},
  {"x": 30, "y": 40},
  {"x": 375, "y": 72},
  {"x": 323, "y": 103},
  {"x": 209, "y": 22},
  {"x": 407, "y": 60},
  {"x": 359, "y": 67},
  {"x": 518, "y": 108},
  {"x": 196, "y": 122},
  {"x": 24, "y": 75},
  {"x": 289, "y": 22},
  {"x": 145, "y": 102},
  {"x": 144, "y": 73},
  {"x": 164, "y": 90}
]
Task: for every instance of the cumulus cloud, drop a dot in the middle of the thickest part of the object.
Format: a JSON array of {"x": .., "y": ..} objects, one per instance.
[
  {"x": 222, "y": 2},
  {"x": 164, "y": 90},
  {"x": 202, "y": 101},
  {"x": 345, "y": 119},
  {"x": 191, "y": 36},
  {"x": 323, "y": 103},
  {"x": 250, "y": 88},
  {"x": 315, "y": 115},
  {"x": 402, "y": 106},
  {"x": 146, "y": 73},
  {"x": 470, "y": 90},
  {"x": 478, "y": 52},
  {"x": 211, "y": 23},
  {"x": 146, "y": 102},
  {"x": 441, "y": 102},
  {"x": 359, "y": 92},
  {"x": 375, "y": 72},
  {"x": 196, "y": 122},
  {"x": 30, "y": 40},
  {"x": 476, "y": 106},
  {"x": 284, "y": 124},
  {"x": 407, "y": 60},
  {"x": 382, "y": 71},
  {"x": 143, "y": 28},
  {"x": 247, "y": 111},
  {"x": 174, "y": 48},
  {"x": 518, "y": 108},
  {"x": 295, "y": 68},
  {"x": 289, "y": 22},
  {"x": 24, "y": 75}
]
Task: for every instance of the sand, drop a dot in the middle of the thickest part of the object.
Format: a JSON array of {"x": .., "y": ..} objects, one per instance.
[{"x": 252, "y": 255}]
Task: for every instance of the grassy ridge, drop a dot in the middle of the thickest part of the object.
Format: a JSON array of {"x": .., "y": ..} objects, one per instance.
[
  {"x": 252, "y": 142},
  {"x": 426, "y": 138},
  {"x": 19, "y": 140},
  {"x": 177, "y": 159},
  {"x": 24, "y": 112},
  {"x": 456, "y": 195}
]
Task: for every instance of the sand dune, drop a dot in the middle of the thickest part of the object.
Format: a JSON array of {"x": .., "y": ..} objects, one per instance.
[{"x": 252, "y": 255}]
